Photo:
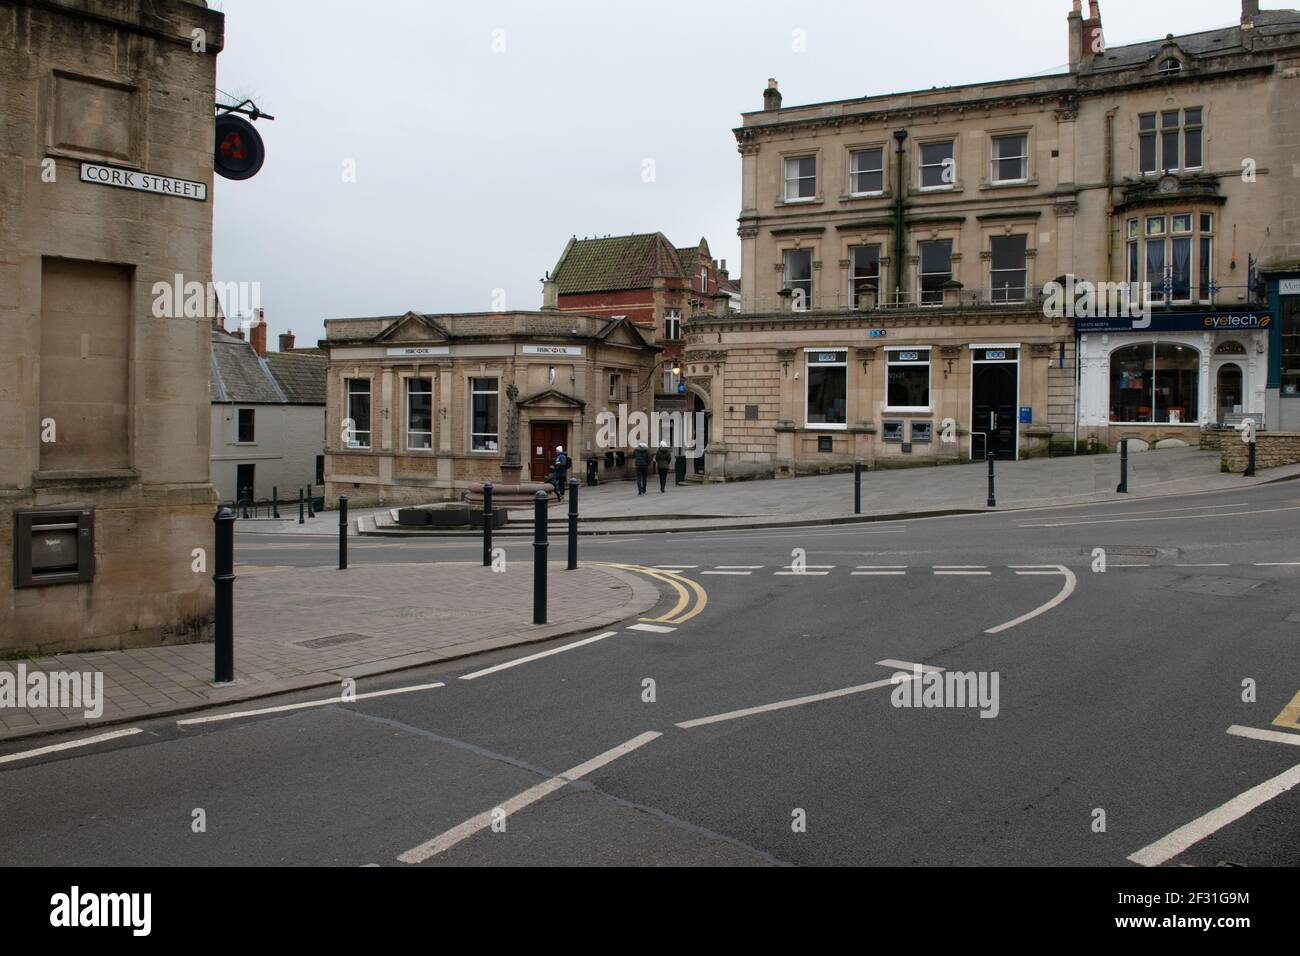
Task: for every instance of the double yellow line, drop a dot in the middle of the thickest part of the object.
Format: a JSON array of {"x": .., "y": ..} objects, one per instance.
[{"x": 688, "y": 591}]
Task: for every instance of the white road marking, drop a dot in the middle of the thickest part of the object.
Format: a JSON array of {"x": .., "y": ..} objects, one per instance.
[
  {"x": 1122, "y": 566},
  {"x": 739, "y": 567},
  {"x": 1225, "y": 514},
  {"x": 305, "y": 704},
  {"x": 909, "y": 666},
  {"x": 71, "y": 745},
  {"x": 537, "y": 657},
  {"x": 1168, "y": 847},
  {"x": 1274, "y": 736},
  {"x": 882, "y": 567},
  {"x": 960, "y": 567},
  {"x": 446, "y": 841},
  {"x": 786, "y": 704},
  {"x": 879, "y": 574},
  {"x": 962, "y": 574},
  {"x": 726, "y": 574},
  {"x": 1071, "y": 582},
  {"x": 676, "y": 567},
  {"x": 1277, "y": 564},
  {"x": 652, "y": 628},
  {"x": 1202, "y": 565}
]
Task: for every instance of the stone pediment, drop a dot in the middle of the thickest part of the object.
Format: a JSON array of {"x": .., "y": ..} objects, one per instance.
[
  {"x": 623, "y": 332},
  {"x": 414, "y": 327},
  {"x": 553, "y": 397}
]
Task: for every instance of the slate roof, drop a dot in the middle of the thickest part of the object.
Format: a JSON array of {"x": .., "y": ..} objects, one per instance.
[
  {"x": 615, "y": 263},
  {"x": 240, "y": 377},
  {"x": 1210, "y": 42},
  {"x": 300, "y": 374}
]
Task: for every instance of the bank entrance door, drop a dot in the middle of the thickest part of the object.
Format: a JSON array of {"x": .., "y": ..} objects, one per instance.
[
  {"x": 995, "y": 397},
  {"x": 546, "y": 437}
]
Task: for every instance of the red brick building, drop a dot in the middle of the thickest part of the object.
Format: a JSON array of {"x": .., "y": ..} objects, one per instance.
[{"x": 654, "y": 284}]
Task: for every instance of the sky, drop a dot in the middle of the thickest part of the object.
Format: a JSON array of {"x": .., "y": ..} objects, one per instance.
[{"x": 436, "y": 156}]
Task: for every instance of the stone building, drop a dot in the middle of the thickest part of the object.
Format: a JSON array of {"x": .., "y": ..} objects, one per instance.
[
  {"x": 654, "y": 285},
  {"x": 106, "y": 165},
  {"x": 423, "y": 407},
  {"x": 897, "y": 251}
]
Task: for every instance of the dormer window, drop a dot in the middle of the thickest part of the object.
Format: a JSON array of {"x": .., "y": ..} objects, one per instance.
[{"x": 1170, "y": 67}]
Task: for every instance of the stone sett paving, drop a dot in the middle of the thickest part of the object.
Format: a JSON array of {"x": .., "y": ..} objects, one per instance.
[{"x": 380, "y": 618}]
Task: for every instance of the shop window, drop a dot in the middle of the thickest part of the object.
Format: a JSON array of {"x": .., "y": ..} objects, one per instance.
[
  {"x": 909, "y": 380},
  {"x": 828, "y": 388},
  {"x": 1290, "y": 329},
  {"x": 419, "y": 414},
  {"x": 484, "y": 398},
  {"x": 1155, "y": 383},
  {"x": 357, "y": 413}
]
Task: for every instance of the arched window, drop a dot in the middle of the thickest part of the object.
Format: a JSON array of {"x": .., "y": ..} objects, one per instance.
[
  {"x": 1170, "y": 66},
  {"x": 1155, "y": 383}
]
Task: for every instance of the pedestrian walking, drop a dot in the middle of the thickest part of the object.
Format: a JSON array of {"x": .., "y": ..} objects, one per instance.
[
  {"x": 641, "y": 458},
  {"x": 560, "y": 471},
  {"x": 663, "y": 461}
]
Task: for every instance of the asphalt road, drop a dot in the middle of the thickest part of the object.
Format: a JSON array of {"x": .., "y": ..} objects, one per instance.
[{"x": 1107, "y": 738}]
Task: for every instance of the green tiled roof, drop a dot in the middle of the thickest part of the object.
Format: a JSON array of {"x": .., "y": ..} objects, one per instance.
[
  {"x": 615, "y": 263},
  {"x": 301, "y": 375}
]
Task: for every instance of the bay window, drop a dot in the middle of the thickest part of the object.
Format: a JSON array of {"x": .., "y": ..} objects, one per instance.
[{"x": 1172, "y": 254}]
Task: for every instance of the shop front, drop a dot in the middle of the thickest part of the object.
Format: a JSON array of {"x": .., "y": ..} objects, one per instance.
[{"x": 1167, "y": 376}]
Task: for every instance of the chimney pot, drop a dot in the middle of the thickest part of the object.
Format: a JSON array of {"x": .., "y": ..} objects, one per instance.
[{"x": 1249, "y": 11}]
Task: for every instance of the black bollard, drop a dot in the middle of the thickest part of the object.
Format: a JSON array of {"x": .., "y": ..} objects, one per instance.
[
  {"x": 573, "y": 524},
  {"x": 487, "y": 524},
  {"x": 311, "y": 512},
  {"x": 343, "y": 532},
  {"x": 540, "y": 545},
  {"x": 300, "y": 518},
  {"x": 224, "y": 577},
  {"x": 1123, "y": 467},
  {"x": 1250, "y": 461},
  {"x": 993, "y": 494},
  {"x": 857, "y": 487},
  {"x": 275, "y": 501}
]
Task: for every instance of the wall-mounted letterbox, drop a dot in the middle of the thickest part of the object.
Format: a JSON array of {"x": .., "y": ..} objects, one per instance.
[{"x": 53, "y": 547}]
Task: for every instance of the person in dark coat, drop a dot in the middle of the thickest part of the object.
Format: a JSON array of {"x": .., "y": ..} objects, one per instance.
[
  {"x": 663, "y": 461},
  {"x": 559, "y": 475},
  {"x": 641, "y": 459}
]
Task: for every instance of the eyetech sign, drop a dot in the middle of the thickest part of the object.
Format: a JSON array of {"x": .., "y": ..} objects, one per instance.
[{"x": 1247, "y": 321}]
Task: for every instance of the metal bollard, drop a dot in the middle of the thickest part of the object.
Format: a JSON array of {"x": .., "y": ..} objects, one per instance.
[
  {"x": 540, "y": 545},
  {"x": 1250, "y": 462},
  {"x": 573, "y": 524},
  {"x": 223, "y": 670},
  {"x": 343, "y": 532},
  {"x": 857, "y": 487},
  {"x": 1123, "y": 467},
  {"x": 300, "y": 518},
  {"x": 275, "y": 501},
  {"x": 993, "y": 494},
  {"x": 487, "y": 524}
]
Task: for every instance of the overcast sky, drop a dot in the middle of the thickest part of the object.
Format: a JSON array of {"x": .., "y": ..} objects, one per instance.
[{"x": 485, "y": 134}]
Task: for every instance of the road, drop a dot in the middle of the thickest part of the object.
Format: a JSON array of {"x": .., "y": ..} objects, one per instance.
[{"x": 754, "y": 721}]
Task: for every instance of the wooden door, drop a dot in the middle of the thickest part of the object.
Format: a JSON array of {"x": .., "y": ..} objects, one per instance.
[{"x": 545, "y": 437}]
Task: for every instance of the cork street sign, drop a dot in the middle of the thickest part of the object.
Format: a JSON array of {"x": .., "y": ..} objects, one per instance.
[{"x": 143, "y": 182}]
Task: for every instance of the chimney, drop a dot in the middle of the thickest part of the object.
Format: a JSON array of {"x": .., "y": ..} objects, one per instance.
[
  {"x": 257, "y": 332},
  {"x": 238, "y": 333},
  {"x": 286, "y": 341},
  {"x": 1076, "y": 36},
  {"x": 771, "y": 96},
  {"x": 1093, "y": 38},
  {"x": 550, "y": 294},
  {"x": 1249, "y": 11}
]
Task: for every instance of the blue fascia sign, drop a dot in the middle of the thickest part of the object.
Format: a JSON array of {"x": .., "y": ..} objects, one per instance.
[
  {"x": 1248, "y": 320},
  {"x": 1026, "y": 415}
]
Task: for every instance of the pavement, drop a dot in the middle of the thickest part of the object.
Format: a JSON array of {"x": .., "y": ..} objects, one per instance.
[
  {"x": 298, "y": 628},
  {"x": 1147, "y": 712},
  {"x": 615, "y": 508}
]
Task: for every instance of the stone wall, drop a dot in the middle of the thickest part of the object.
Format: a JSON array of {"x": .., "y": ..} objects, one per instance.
[{"x": 1272, "y": 450}]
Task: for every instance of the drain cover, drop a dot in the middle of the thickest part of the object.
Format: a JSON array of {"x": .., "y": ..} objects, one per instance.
[
  {"x": 1215, "y": 585},
  {"x": 333, "y": 640}
]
